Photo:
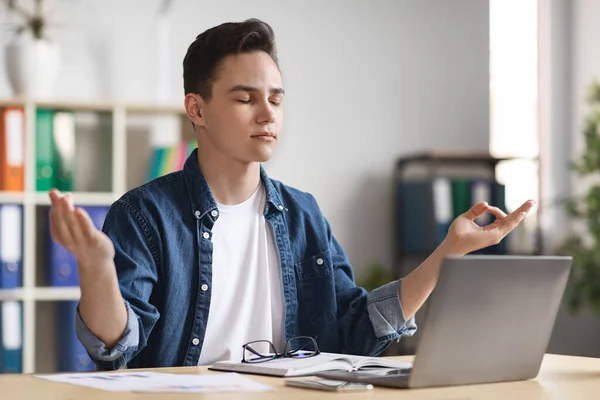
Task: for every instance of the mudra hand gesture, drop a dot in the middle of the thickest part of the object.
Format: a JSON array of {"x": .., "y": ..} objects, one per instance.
[{"x": 465, "y": 236}]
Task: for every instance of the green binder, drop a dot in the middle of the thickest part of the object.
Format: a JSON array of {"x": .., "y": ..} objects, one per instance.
[
  {"x": 64, "y": 144},
  {"x": 461, "y": 196},
  {"x": 44, "y": 150}
]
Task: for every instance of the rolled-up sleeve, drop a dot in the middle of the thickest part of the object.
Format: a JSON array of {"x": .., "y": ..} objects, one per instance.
[
  {"x": 97, "y": 349},
  {"x": 386, "y": 313}
]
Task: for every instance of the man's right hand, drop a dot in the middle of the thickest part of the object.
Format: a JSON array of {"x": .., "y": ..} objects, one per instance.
[
  {"x": 101, "y": 306},
  {"x": 73, "y": 229}
]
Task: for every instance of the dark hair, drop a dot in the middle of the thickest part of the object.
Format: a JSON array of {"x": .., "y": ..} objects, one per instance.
[{"x": 210, "y": 48}]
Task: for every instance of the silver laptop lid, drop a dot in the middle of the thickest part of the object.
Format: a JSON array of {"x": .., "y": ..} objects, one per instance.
[{"x": 489, "y": 319}]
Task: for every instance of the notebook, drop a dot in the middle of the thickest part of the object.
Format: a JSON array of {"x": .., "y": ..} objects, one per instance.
[{"x": 288, "y": 367}]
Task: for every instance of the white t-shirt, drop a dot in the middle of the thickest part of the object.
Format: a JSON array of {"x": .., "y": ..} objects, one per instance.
[{"x": 247, "y": 290}]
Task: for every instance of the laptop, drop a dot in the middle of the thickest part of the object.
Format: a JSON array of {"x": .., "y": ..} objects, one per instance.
[{"x": 489, "y": 320}]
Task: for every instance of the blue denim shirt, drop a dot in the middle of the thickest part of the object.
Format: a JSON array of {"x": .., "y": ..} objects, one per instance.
[{"x": 162, "y": 237}]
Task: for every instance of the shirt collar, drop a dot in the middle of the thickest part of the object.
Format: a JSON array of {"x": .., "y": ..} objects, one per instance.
[{"x": 201, "y": 196}]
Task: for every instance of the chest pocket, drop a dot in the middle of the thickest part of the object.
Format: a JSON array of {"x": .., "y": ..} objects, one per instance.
[{"x": 317, "y": 288}]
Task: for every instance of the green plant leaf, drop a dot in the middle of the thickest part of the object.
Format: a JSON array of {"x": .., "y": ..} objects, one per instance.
[
  {"x": 583, "y": 289},
  {"x": 594, "y": 93},
  {"x": 35, "y": 22},
  {"x": 573, "y": 209},
  {"x": 376, "y": 275}
]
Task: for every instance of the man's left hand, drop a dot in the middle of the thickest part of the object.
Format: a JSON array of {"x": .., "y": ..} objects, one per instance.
[{"x": 465, "y": 236}]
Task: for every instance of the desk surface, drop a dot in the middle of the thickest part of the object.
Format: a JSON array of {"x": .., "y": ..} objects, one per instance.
[{"x": 561, "y": 377}]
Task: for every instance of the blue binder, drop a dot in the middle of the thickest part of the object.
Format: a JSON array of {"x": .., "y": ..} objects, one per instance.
[
  {"x": 72, "y": 356},
  {"x": 481, "y": 190},
  {"x": 63, "y": 264},
  {"x": 11, "y": 246},
  {"x": 97, "y": 214},
  {"x": 499, "y": 199},
  {"x": 11, "y": 337},
  {"x": 424, "y": 214}
]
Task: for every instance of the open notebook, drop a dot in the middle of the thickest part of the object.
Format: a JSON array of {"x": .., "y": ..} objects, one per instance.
[{"x": 287, "y": 367}]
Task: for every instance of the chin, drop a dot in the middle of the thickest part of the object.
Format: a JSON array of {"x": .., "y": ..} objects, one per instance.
[
  {"x": 261, "y": 155},
  {"x": 262, "y": 158}
]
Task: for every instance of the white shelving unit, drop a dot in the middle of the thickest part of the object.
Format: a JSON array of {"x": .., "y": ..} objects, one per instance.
[{"x": 33, "y": 296}]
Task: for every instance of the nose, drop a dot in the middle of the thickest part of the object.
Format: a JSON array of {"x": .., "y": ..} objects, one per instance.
[{"x": 267, "y": 114}]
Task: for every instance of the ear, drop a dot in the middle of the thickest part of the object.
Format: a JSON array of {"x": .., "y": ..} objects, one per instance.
[{"x": 194, "y": 104}]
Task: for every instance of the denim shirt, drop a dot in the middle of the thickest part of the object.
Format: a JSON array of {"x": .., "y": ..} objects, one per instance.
[{"x": 163, "y": 256}]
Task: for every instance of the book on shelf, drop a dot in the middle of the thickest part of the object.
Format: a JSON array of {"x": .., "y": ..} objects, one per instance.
[{"x": 167, "y": 159}]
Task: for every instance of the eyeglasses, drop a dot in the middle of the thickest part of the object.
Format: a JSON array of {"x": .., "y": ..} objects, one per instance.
[{"x": 296, "y": 347}]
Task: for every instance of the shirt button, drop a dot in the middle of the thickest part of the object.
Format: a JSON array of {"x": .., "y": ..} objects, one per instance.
[
  {"x": 319, "y": 261},
  {"x": 206, "y": 235},
  {"x": 280, "y": 207},
  {"x": 195, "y": 341},
  {"x": 197, "y": 214},
  {"x": 204, "y": 287},
  {"x": 214, "y": 213}
]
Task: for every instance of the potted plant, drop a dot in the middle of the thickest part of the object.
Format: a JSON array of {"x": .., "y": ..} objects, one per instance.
[
  {"x": 32, "y": 58},
  {"x": 376, "y": 275},
  {"x": 584, "y": 247}
]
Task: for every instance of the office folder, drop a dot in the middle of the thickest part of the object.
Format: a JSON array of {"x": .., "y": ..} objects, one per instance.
[
  {"x": 11, "y": 245},
  {"x": 11, "y": 337},
  {"x": 425, "y": 214},
  {"x": 44, "y": 150},
  {"x": 499, "y": 199},
  {"x": 72, "y": 356},
  {"x": 97, "y": 215},
  {"x": 62, "y": 263},
  {"x": 12, "y": 149},
  {"x": 63, "y": 130},
  {"x": 481, "y": 190}
]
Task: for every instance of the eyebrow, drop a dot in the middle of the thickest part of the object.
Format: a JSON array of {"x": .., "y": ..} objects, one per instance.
[{"x": 247, "y": 88}]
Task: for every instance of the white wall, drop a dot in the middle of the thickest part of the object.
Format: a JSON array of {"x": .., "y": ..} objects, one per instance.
[
  {"x": 366, "y": 83},
  {"x": 586, "y": 62},
  {"x": 385, "y": 80},
  {"x": 556, "y": 106},
  {"x": 572, "y": 62}
]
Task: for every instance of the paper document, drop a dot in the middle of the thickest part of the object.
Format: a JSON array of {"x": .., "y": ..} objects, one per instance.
[
  {"x": 209, "y": 383},
  {"x": 155, "y": 382}
]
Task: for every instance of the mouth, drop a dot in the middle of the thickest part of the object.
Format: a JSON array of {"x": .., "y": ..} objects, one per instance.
[{"x": 266, "y": 136}]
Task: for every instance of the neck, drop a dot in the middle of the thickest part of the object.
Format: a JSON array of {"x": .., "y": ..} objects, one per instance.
[{"x": 231, "y": 182}]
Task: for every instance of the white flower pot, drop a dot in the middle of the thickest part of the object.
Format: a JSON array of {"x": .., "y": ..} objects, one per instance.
[{"x": 32, "y": 66}]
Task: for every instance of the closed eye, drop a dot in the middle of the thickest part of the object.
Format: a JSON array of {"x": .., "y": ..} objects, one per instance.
[
  {"x": 276, "y": 100},
  {"x": 243, "y": 101}
]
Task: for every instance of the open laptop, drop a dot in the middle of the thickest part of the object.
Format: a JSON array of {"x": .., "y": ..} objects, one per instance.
[{"x": 489, "y": 320}]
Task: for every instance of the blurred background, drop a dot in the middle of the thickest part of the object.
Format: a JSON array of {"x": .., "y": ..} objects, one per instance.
[{"x": 399, "y": 115}]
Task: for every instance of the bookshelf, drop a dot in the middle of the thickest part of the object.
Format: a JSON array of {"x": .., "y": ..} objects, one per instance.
[
  {"x": 430, "y": 165},
  {"x": 427, "y": 166},
  {"x": 125, "y": 170}
]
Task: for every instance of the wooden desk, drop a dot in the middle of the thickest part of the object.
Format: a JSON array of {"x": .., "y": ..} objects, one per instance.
[{"x": 561, "y": 377}]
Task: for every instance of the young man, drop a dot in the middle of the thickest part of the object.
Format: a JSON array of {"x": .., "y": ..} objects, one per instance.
[{"x": 195, "y": 264}]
